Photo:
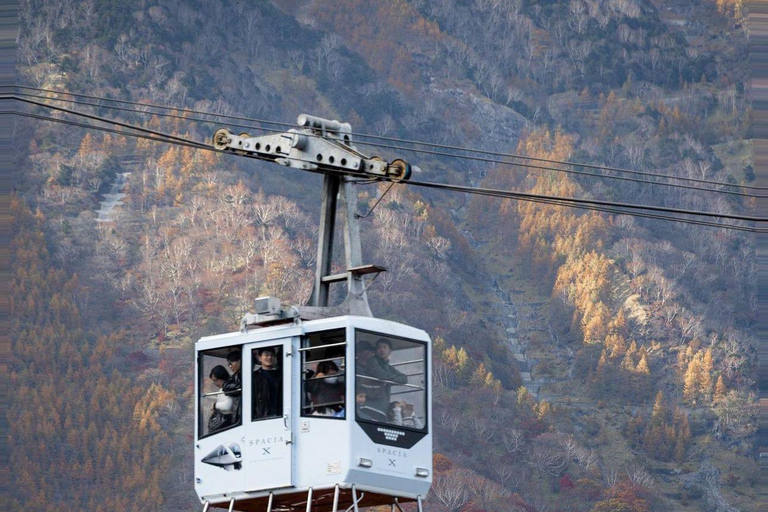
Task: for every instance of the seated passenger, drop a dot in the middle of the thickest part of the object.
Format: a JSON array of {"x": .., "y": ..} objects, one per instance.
[
  {"x": 401, "y": 413},
  {"x": 366, "y": 412},
  {"x": 221, "y": 415},
  {"x": 326, "y": 390}
]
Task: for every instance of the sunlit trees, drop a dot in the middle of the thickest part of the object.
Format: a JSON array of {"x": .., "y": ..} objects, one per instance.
[
  {"x": 665, "y": 435},
  {"x": 91, "y": 428}
]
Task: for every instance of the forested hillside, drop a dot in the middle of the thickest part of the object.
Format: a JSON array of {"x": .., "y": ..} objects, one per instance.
[{"x": 583, "y": 360}]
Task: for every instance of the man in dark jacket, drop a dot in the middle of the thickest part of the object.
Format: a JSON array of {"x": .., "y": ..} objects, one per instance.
[
  {"x": 378, "y": 376},
  {"x": 267, "y": 386}
]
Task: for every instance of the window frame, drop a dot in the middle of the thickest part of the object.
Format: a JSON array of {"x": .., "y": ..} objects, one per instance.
[
  {"x": 202, "y": 378},
  {"x": 305, "y": 348},
  {"x": 427, "y": 399},
  {"x": 282, "y": 363}
]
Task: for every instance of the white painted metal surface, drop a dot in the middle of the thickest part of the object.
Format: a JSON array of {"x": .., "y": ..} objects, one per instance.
[{"x": 294, "y": 453}]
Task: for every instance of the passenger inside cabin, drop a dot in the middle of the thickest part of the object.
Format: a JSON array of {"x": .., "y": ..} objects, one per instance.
[
  {"x": 378, "y": 376},
  {"x": 326, "y": 390},
  {"x": 366, "y": 412},
  {"x": 267, "y": 386},
  {"x": 401, "y": 413},
  {"x": 221, "y": 414},
  {"x": 363, "y": 354},
  {"x": 233, "y": 386}
]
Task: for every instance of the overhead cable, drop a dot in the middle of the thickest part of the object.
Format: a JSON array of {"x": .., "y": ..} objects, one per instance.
[
  {"x": 429, "y": 144},
  {"x": 605, "y": 206},
  {"x": 524, "y": 165}
]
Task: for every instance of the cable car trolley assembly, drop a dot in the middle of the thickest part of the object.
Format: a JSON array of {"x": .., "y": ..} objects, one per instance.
[{"x": 317, "y": 407}]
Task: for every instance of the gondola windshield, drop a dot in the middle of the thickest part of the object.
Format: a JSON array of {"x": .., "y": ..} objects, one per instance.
[
  {"x": 390, "y": 385},
  {"x": 220, "y": 391}
]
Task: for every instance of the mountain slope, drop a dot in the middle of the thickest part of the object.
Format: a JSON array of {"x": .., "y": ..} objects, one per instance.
[{"x": 632, "y": 337}]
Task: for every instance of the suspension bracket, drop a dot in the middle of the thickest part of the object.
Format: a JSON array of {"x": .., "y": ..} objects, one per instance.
[{"x": 316, "y": 145}]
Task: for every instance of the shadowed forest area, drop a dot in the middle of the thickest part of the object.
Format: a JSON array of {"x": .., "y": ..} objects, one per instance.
[{"x": 583, "y": 360}]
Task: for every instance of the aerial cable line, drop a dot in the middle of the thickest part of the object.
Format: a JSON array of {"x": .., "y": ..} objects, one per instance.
[
  {"x": 595, "y": 202},
  {"x": 428, "y": 184},
  {"x": 572, "y": 204},
  {"x": 501, "y": 194},
  {"x": 569, "y": 171},
  {"x": 102, "y": 119},
  {"x": 524, "y": 165},
  {"x": 428, "y": 144},
  {"x": 460, "y": 188},
  {"x": 151, "y": 105},
  {"x": 196, "y": 145},
  {"x": 603, "y": 206},
  {"x": 394, "y": 139},
  {"x": 157, "y": 138},
  {"x": 506, "y": 155}
]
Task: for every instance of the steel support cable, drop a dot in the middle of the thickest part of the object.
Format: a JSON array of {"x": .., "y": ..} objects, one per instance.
[
  {"x": 617, "y": 211},
  {"x": 553, "y": 200},
  {"x": 595, "y": 202},
  {"x": 428, "y": 144},
  {"x": 524, "y": 165},
  {"x": 152, "y": 105},
  {"x": 607, "y": 207},
  {"x": 143, "y": 112},
  {"x": 572, "y": 171},
  {"x": 158, "y": 138},
  {"x": 196, "y": 145},
  {"x": 98, "y": 118}
]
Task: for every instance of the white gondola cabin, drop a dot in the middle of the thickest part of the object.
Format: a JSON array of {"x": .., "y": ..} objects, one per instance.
[
  {"x": 316, "y": 408},
  {"x": 347, "y": 405}
]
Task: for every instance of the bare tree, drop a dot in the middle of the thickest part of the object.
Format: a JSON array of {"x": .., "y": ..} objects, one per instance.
[
  {"x": 513, "y": 440},
  {"x": 611, "y": 476},
  {"x": 482, "y": 430},
  {"x": 443, "y": 377},
  {"x": 638, "y": 475},
  {"x": 449, "y": 489},
  {"x": 448, "y": 420},
  {"x": 503, "y": 473},
  {"x": 546, "y": 456}
]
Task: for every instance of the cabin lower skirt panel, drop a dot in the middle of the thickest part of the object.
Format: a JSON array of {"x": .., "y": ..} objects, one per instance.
[{"x": 293, "y": 499}]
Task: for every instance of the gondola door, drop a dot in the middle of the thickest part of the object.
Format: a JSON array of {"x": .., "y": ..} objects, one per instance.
[{"x": 268, "y": 444}]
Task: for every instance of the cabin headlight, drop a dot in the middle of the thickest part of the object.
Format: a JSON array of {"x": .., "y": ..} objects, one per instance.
[
  {"x": 365, "y": 463},
  {"x": 423, "y": 473}
]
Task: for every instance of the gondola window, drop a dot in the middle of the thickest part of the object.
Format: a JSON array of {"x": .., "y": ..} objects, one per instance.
[
  {"x": 220, "y": 392},
  {"x": 323, "y": 380}
]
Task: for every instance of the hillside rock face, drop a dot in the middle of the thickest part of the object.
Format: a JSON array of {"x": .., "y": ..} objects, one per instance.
[
  {"x": 707, "y": 481},
  {"x": 500, "y": 125}
]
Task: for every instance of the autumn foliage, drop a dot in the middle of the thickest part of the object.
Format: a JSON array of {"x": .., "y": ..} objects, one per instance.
[{"x": 96, "y": 433}]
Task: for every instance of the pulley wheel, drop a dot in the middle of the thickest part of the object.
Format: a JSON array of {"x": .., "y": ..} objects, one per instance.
[
  {"x": 399, "y": 170},
  {"x": 221, "y": 139}
]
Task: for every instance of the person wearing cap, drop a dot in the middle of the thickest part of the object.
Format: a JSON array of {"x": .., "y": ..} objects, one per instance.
[
  {"x": 377, "y": 376},
  {"x": 267, "y": 386}
]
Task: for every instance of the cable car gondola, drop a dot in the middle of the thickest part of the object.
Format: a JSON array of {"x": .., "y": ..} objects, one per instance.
[{"x": 314, "y": 407}]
